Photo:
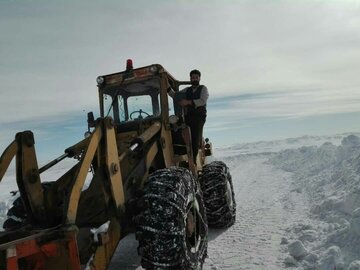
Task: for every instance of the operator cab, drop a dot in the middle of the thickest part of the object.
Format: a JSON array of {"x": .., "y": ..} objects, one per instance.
[
  {"x": 133, "y": 95},
  {"x": 133, "y": 101}
]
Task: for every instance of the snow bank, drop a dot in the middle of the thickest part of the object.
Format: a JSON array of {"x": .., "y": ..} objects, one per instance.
[
  {"x": 329, "y": 175},
  {"x": 279, "y": 145}
]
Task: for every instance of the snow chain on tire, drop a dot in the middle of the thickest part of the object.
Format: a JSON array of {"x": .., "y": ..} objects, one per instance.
[
  {"x": 218, "y": 194},
  {"x": 172, "y": 227}
]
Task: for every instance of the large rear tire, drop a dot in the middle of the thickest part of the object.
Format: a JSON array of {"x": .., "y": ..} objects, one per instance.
[
  {"x": 218, "y": 194},
  {"x": 172, "y": 227}
]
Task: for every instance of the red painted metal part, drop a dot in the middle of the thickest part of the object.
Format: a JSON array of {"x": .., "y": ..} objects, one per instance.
[{"x": 34, "y": 256}]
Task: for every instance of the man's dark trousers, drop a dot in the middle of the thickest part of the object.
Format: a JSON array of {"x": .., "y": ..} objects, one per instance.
[{"x": 196, "y": 123}]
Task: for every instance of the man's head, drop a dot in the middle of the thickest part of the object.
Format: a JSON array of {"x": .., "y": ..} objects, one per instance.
[{"x": 195, "y": 77}]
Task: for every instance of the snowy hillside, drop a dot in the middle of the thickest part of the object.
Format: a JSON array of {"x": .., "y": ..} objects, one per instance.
[{"x": 298, "y": 207}]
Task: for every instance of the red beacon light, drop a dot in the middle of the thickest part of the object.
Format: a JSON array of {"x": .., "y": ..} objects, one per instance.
[{"x": 129, "y": 64}]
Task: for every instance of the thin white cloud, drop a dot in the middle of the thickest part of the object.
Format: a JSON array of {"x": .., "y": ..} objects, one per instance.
[
  {"x": 52, "y": 52},
  {"x": 287, "y": 105}
]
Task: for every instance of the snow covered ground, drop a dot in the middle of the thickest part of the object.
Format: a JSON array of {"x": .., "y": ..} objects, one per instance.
[{"x": 298, "y": 207}]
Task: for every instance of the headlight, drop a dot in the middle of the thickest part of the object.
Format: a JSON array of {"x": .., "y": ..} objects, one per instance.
[
  {"x": 87, "y": 134},
  {"x": 173, "y": 119},
  {"x": 100, "y": 80},
  {"x": 153, "y": 69}
]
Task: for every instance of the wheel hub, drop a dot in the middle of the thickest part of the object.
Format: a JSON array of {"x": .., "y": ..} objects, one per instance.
[
  {"x": 193, "y": 236},
  {"x": 229, "y": 197}
]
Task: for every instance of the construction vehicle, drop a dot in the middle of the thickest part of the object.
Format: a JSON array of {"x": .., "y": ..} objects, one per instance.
[{"x": 143, "y": 180}]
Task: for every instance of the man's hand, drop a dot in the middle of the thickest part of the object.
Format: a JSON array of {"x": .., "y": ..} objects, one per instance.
[{"x": 185, "y": 102}]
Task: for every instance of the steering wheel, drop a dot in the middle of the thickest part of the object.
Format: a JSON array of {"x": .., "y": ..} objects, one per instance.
[{"x": 139, "y": 112}]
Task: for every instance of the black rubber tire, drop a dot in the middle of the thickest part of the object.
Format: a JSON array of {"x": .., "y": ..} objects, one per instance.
[
  {"x": 218, "y": 194},
  {"x": 16, "y": 216},
  {"x": 162, "y": 227}
]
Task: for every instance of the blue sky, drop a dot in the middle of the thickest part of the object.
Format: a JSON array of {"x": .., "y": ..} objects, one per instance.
[{"x": 274, "y": 68}]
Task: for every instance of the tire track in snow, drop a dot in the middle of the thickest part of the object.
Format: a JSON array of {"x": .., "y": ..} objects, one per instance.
[{"x": 265, "y": 208}]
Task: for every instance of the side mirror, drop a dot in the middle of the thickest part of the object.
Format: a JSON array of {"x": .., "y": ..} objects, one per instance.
[{"x": 90, "y": 120}]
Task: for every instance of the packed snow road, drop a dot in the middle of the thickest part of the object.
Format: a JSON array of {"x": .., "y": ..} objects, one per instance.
[{"x": 265, "y": 206}]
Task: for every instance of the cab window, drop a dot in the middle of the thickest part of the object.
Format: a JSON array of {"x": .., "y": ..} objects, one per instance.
[{"x": 141, "y": 107}]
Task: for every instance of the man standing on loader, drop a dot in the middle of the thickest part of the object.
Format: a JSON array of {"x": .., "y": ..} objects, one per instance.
[{"x": 194, "y": 103}]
